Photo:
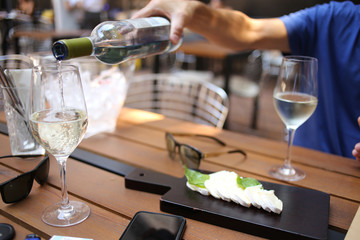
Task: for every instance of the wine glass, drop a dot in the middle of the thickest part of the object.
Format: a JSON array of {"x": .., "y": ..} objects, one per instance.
[
  {"x": 295, "y": 100},
  {"x": 58, "y": 120}
]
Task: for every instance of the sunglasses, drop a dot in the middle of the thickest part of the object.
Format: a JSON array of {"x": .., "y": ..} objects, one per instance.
[
  {"x": 189, "y": 155},
  {"x": 18, "y": 188}
]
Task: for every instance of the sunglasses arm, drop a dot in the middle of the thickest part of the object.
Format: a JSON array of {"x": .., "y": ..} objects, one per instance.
[
  {"x": 198, "y": 135},
  {"x": 216, "y": 154}
]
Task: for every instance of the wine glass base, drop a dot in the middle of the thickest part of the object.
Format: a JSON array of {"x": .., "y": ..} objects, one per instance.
[
  {"x": 57, "y": 217},
  {"x": 287, "y": 174}
]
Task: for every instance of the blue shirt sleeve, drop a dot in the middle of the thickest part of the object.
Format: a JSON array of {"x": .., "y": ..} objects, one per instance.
[{"x": 330, "y": 24}]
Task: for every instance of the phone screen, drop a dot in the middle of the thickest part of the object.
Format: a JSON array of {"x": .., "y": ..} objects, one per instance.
[{"x": 149, "y": 225}]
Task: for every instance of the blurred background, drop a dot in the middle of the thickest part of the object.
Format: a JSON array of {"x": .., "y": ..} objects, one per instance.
[{"x": 31, "y": 26}]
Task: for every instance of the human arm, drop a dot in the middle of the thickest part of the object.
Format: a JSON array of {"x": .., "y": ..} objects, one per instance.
[
  {"x": 356, "y": 151},
  {"x": 229, "y": 28}
]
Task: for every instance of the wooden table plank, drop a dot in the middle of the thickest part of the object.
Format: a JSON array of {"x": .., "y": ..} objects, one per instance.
[
  {"x": 205, "y": 49},
  {"x": 248, "y": 142},
  {"x": 212, "y": 167},
  {"x": 161, "y": 160},
  {"x": 139, "y": 141},
  {"x": 50, "y": 34},
  {"x": 317, "y": 178},
  {"x": 110, "y": 193},
  {"x": 100, "y": 221}
]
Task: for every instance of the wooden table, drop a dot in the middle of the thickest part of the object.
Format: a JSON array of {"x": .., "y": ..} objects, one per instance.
[
  {"x": 201, "y": 48},
  {"x": 44, "y": 34},
  {"x": 139, "y": 141},
  {"x": 50, "y": 34},
  {"x": 206, "y": 49}
]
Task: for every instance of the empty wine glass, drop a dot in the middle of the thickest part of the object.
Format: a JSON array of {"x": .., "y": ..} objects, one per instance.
[
  {"x": 58, "y": 119},
  {"x": 295, "y": 100}
]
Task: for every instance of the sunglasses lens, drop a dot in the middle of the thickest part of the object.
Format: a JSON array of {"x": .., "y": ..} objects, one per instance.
[
  {"x": 190, "y": 157},
  {"x": 42, "y": 171},
  {"x": 170, "y": 145},
  {"x": 18, "y": 188}
]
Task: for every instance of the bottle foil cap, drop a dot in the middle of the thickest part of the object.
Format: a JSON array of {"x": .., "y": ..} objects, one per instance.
[{"x": 72, "y": 48}]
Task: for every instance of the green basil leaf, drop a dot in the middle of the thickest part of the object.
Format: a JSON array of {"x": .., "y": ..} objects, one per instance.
[
  {"x": 247, "y": 182},
  {"x": 196, "y": 178}
]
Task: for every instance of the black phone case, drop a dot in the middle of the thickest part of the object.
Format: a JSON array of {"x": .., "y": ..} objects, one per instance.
[
  {"x": 179, "y": 233},
  {"x": 7, "y": 231}
]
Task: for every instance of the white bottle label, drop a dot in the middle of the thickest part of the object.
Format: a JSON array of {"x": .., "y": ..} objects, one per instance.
[{"x": 149, "y": 22}]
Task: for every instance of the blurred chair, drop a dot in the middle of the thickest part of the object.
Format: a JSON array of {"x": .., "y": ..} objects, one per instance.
[
  {"x": 249, "y": 81},
  {"x": 27, "y": 41},
  {"x": 179, "y": 97}
]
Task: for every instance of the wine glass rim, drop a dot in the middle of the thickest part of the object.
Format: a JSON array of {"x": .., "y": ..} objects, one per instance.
[
  {"x": 299, "y": 58},
  {"x": 54, "y": 67}
]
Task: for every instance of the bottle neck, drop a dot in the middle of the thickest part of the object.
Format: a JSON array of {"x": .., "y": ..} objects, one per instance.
[{"x": 72, "y": 48}]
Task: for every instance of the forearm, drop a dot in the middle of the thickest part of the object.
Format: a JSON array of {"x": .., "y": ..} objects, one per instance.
[
  {"x": 229, "y": 28},
  {"x": 235, "y": 30}
]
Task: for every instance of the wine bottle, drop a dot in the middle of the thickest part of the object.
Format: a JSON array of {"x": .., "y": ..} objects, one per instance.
[{"x": 114, "y": 42}]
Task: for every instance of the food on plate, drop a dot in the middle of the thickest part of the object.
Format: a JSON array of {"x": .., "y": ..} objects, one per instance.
[{"x": 229, "y": 186}]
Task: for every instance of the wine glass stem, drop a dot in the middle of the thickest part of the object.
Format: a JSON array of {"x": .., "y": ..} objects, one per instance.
[
  {"x": 64, "y": 193},
  {"x": 291, "y": 133}
]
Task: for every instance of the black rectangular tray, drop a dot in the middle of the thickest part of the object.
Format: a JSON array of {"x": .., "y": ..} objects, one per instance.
[{"x": 305, "y": 212}]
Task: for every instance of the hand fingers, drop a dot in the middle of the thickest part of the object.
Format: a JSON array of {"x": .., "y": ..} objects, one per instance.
[
  {"x": 154, "y": 8},
  {"x": 356, "y": 151},
  {"x": 177, "y": 24},
  {"x": 356, "y": 154},
  {"x": 144, "y": 12},
  {"x": 177, "y": 28}
]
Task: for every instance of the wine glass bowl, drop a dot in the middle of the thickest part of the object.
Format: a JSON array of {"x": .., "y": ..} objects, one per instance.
[
  {"x": 58, "y": 120},
  {"x": 295, "y": 100}
]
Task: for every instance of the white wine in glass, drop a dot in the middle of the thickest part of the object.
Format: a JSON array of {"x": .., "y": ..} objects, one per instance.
[
  {"x": 58, "y": 119},
  {"x": 295, "y": 100}
]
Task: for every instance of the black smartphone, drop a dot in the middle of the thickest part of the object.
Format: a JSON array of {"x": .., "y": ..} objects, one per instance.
[{"x": 150, "y": 225}]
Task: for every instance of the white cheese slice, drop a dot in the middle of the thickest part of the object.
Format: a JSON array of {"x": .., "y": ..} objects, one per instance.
[
  {"x": 240, "y": 197},
  {"x": 252, "y": 194},
  {"x": 235, "y": 193},
  {"x": 265, "y": 203},
  {"x": 223, "y": 181},
  {"x": 275, "y": 204},
  {"x": 211, "y": 186},
  {"x": 201, "y": 190},
  {"x": 223, "y": 185}
]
